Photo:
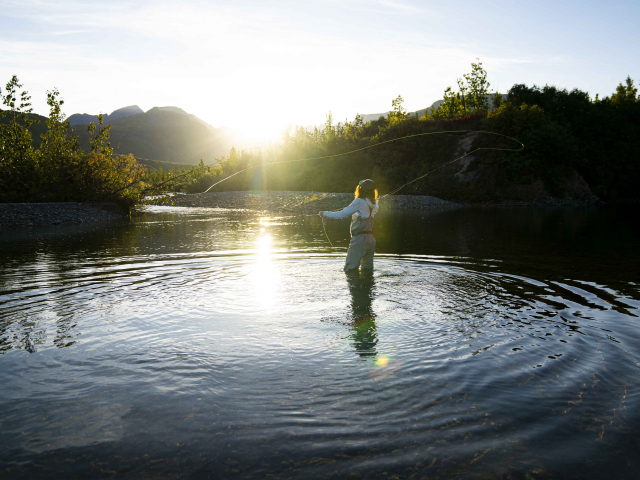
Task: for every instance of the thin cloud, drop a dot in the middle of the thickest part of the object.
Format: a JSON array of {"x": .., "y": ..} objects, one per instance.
[
  {"x": 219, "y": 61},
  {"x": 384, "y": 7},
  {"x": 71, "y": 32},
  {"x": 401, "y": 6}
]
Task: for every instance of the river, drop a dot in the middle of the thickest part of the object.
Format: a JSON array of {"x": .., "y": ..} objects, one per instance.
[{"x": 213, "y": 343}]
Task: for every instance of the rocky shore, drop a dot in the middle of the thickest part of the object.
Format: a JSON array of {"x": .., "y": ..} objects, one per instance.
[
  {"x": 293, "y": 203},
  {"x": 304, "y": 203},
  {"x": 64, "y": 213}
]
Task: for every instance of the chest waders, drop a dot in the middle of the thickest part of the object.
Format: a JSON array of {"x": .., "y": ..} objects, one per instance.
[
  {"x": 362, "y": 246},
  {"x": 334, "y": 156},
  {"x": 365, "y": 225}
]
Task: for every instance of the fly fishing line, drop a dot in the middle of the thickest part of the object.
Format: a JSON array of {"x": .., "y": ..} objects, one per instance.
[
  {"x": 383, "y": 143},
  {"x": 377, "y": 145}
]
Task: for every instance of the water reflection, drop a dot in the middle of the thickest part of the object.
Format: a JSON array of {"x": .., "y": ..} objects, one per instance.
[
  {"x": 202, "y": 342},
  {"x": 264, "y": 276},
  {"x": 364, "y": 335}
]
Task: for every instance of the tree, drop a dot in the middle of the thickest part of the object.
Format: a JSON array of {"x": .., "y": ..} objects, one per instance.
[
  {"x": 625, "y": 93},
  {"x": 498, "y": 100},
  {"x": 328, "y": 125},
  {"x": 17, "y": 159},
  {"x": 55, "y": 143},
  {"x": 478, "y": 88},
  {"x": 452, "y": 106},
  {"x": 398, "y": 112},
  {"x": 472, "y": 95},
  {"x": 59, "y": 153},
  {"x": 100, "y": 140}
]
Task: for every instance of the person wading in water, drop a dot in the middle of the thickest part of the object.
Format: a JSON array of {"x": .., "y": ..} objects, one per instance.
[{"x": 362, "y": 210}]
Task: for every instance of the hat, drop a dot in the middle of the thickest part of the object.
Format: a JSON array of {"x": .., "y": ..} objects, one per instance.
[{"x": 368, "y": 183}]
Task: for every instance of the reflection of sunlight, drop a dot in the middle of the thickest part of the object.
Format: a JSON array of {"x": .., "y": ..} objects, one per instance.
[
  {"x": 264, "y": 245},
  {"x": 264, "y": 274}
]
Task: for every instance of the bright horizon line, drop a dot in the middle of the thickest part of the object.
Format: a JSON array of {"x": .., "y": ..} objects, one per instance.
[{"x": 259, "y": 67}]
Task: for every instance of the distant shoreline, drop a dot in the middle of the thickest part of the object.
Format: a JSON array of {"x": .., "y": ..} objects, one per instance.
[{"x": 305, "y": 202}]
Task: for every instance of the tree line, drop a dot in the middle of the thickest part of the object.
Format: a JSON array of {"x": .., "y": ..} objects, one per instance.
[
  {"x": 59, "y": 170},
  {"x": 563, "y": 132}
]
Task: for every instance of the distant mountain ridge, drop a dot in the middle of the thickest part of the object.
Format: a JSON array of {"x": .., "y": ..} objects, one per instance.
[
  {"x": 167, "y": 134},
  {"x": 159, "y": 138},
  {"x": 86, "y": 119}
]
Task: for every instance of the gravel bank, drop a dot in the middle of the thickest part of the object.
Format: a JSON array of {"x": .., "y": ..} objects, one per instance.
[
  {"x": 294, "y": 202},
  {"x": 67, "y": 213}
]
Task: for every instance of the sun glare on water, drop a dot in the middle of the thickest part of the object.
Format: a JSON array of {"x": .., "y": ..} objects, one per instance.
[{"x": 265, "y": 276}]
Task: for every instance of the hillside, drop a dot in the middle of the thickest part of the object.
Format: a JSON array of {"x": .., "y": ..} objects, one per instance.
[
  {"x": 36, "y": 129},
  {"x": 167, "y": 134},
  {"x": 163, "y": 134}
]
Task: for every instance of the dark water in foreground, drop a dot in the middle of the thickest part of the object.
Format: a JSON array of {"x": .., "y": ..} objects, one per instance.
[{"x": 499, "y": 343}]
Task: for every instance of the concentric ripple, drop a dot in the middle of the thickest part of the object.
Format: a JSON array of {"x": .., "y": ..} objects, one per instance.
[{"x": 229, "y": 344}]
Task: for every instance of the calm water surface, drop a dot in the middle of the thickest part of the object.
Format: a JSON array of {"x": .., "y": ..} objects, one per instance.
[{"x": 220, "y": 344}]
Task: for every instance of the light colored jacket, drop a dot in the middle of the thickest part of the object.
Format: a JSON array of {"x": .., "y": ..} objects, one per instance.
[{"x": 359, "y": 211}]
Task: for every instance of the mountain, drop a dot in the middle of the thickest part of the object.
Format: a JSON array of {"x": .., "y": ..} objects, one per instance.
[
  {"x": 163, "y": 134},
  {"x": 125, "y": 112},
  {"x": 179, "y": 110},
  {"x": 85, "y": 118},
  {"x": 167, "y": 134},
  {"x": 36, "y": 129}
]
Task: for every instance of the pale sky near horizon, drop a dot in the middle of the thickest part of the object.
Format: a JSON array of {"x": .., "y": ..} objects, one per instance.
[{"x": 257, "y": 67}]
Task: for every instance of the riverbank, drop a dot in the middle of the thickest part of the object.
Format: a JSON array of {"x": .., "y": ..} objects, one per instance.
[
  {"x": 294, "y": 203},
  {"x": 62, "y": 213},
  {"x": 304, "y": 203}
]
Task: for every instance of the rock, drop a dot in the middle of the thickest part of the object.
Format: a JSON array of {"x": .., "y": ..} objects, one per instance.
[{"x": 47, "y": 214}]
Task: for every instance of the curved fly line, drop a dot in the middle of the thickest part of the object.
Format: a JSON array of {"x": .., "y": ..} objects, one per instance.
[
  {"x": 393, "y": 192},
  {"x": 382, "y": 143}
]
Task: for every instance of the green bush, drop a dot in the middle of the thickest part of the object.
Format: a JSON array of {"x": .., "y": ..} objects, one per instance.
[{"x": 59, "y": 170}]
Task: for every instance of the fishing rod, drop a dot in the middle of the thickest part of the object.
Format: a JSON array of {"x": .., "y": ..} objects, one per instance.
[
  {"x": 393, "y": 192},
  {"x": 441, "y": 166},
  {"x": 382, "y": 143}
]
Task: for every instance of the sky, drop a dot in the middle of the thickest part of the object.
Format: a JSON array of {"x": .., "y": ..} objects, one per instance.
[{"x": 260, "y": 66}]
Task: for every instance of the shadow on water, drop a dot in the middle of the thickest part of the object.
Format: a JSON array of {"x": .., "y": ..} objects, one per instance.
[{"x": 204, "y": 343}]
